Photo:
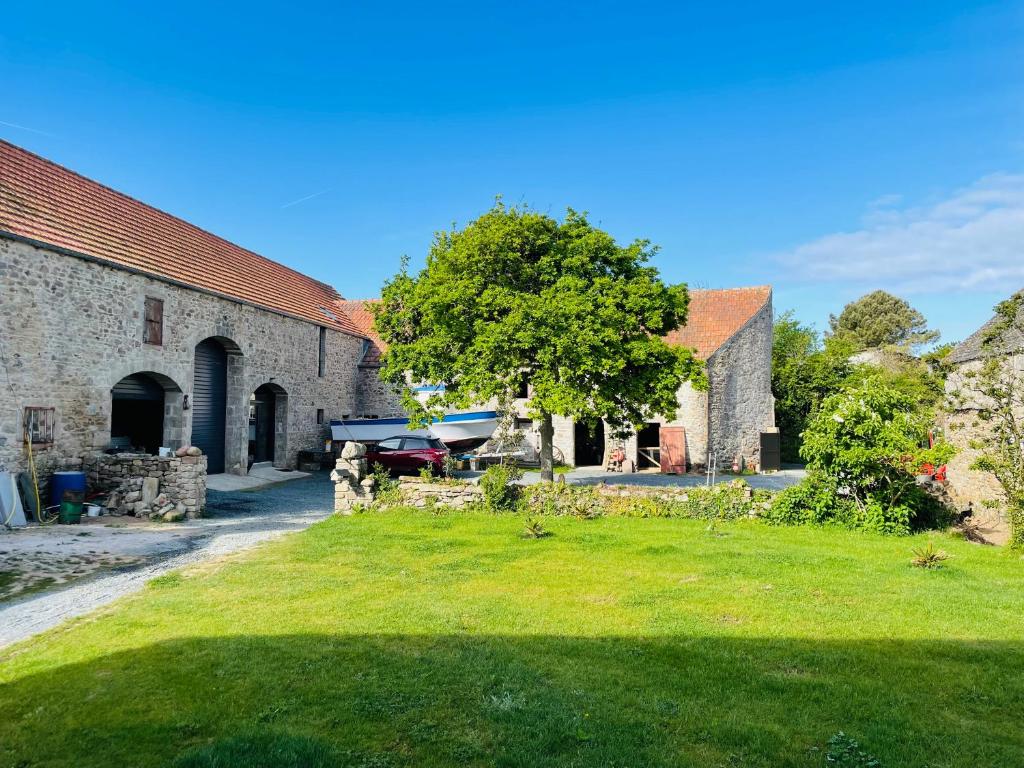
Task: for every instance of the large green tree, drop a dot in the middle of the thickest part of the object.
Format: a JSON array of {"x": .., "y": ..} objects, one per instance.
[
  {"x": 517, "y": 298},
  {"x": 880, "y": 319},
  {"x": 804, "y": 372}
]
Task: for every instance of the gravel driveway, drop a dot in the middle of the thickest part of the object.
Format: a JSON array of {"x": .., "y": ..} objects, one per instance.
[{"x": 235, "y": 521}]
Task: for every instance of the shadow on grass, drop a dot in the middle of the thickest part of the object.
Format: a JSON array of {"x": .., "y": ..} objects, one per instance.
[{"x": 464, "y": 700}]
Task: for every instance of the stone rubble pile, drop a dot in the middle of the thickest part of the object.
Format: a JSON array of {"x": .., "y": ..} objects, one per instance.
[{"x": 167, "y": 488}]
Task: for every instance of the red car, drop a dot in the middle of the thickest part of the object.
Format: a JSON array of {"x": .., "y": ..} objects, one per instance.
[{"x": 408, "y": 454}]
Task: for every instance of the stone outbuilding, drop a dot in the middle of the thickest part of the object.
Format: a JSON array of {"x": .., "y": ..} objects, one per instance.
[
  {"x": 729, "y": 329},
  {"x": 970, "y": 487},
  {"x": 124, "y": 328}
]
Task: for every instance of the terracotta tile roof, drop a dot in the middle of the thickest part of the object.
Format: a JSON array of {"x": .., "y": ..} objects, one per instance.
[
  {"x": 362, "y": 319},
  {"x": 46, "y": 202},
  {"x": 716, "y": 315}
]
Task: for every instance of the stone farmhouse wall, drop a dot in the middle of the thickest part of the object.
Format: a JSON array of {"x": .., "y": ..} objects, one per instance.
[
  {"x": 375, "y": 398},
  {"x": 740, "y": 401},
  {"x": 970, "y": 487},
  {"x": 71, "y": 328}
]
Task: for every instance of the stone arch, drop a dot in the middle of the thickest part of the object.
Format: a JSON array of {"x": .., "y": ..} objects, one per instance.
[
  {"x": 219, "y": 407},
  {"x": 146, "y": 411},
  {"x": 268, "y": 425}
]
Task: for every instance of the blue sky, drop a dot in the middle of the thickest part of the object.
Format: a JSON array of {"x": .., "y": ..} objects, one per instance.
[{"x": 827, "y": 149}]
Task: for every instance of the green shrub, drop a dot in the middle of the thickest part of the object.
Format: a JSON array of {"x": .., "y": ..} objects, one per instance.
[
  {"x": 535, "y": 529},
  {"x": 500, "y": 492},
  {"x": 819, "y": 500},
  {"x": 813, "y": 501},
  {"x": 731, "y": 501},
  {"x": 720, "y": 502},
  {"x": 928, "y": 557},
  {"x": 385, "y": 487}
]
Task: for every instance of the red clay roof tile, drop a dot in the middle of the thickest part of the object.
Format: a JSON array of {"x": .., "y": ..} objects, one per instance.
[
  {"x": 45, "y": 202},
  {"x": 716, "y": 315},
  {"x": 362, "y": 318}
]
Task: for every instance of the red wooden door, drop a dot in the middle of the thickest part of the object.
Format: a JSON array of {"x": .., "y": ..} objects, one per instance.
[{"x": 673, "y": 450}]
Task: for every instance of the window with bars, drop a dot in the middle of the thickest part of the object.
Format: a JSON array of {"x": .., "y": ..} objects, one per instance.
[
  {"x": 39, "y": 425},
  {"x": 153, "y": 330}
]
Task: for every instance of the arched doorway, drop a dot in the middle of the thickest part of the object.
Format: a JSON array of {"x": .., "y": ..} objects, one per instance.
[
  {"x": 209, "y": 402},
  {"x": 140, "y": 417},
  {"x": 589, "y": 443},
  {"x": 267, "y": 416}
]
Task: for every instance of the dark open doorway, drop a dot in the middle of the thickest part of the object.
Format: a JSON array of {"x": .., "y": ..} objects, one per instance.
[
  {"x": 589, "y": 441},
  {"x": 262, "y": 406},
  {"x": 137, "y": 413},
  {"x": 648, "y": 446}
]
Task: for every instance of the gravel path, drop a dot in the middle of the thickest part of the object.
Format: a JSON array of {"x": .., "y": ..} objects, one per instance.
[{"x": 236, "y": 521}]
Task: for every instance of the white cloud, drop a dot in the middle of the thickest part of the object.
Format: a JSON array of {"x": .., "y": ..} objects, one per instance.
[{"x": 973, "y": 240}]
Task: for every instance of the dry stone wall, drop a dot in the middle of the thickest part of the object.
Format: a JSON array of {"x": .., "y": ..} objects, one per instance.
[{"x": 171, "y": 488}]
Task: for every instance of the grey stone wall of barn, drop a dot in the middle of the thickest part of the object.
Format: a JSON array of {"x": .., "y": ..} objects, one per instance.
[
  {"x": 375, "y": 397},
  {"x": 738, "y": 405},
  {"x": 71, "y": 328},
  {"x": 964, "y": 428},
  {"x": 740, "y": 400}
]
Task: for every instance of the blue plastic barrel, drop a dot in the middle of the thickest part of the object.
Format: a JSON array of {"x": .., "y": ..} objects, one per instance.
[{"x": 65, "y": 481}]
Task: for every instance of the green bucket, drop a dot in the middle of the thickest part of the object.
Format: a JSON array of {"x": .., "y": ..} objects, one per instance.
[{"x": 71, "y": 508}]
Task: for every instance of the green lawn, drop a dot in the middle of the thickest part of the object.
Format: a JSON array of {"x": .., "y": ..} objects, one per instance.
[{"x": 401, "y": 639}]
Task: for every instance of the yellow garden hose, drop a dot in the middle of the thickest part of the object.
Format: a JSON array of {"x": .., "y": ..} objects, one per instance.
[{"x": 35, "y": 482}]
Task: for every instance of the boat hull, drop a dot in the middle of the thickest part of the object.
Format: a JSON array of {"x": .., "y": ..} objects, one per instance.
[{"x": 461, "y": 431}]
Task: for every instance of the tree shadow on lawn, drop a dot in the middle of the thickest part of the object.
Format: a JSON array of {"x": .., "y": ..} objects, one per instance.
[{"x": 462, "y": 700}]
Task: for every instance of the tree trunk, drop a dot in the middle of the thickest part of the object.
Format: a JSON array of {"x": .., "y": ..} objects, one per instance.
[{"x": 547, "y": 436}]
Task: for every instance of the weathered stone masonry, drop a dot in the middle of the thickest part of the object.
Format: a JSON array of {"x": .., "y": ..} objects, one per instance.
[{"x": 71, "y": 328}]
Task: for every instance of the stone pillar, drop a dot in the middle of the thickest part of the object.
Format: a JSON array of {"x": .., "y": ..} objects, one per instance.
[{"x": 353, "y": 488}]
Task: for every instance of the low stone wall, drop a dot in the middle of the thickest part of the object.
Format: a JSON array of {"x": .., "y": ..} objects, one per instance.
[
  {"x": 417, "y": 492},
  {"x": 170, "y": 488}
]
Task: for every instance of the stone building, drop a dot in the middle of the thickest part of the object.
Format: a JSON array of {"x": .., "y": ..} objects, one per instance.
[
  {"x": 374, "y": 398},
  {"x": 122, "y": 326},
  {"x": 730, "y": 329},
  {"x": 970, "y": 487}
]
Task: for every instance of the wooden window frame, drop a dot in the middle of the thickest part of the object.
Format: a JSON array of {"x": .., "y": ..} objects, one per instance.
[
  {"x": 45, "y": 419},
  {"x": 153, "y": 321}
]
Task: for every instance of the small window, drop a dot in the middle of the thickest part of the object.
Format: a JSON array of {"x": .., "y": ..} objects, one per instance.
[
  {"x": 153, "y": 330},
  {"x": 523, "y": 390},
  {"x": 524, "y": 424},
  {"x": 319, "y": 415},
  {"x": 391, "y": 444},
  {"x": 39, "y": 425},
  {"x": 322, "y": 357}
]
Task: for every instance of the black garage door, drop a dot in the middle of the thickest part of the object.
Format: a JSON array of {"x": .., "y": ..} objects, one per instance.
[{"x": 209, "y": 399}]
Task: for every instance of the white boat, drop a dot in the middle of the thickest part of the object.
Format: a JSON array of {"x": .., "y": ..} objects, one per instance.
[{"x": 462, "y": 431}]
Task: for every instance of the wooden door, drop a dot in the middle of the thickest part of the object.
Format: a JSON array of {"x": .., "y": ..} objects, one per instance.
[{"x": 673, "y": 450}]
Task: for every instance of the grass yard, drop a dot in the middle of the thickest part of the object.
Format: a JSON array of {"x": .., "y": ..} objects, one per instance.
[{"x": 402, "y": 639}]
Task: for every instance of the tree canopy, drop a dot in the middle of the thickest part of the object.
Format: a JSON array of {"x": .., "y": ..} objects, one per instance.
[
  {"x": 517, "y": 298},
  {"x": 880, "y": 319}
]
